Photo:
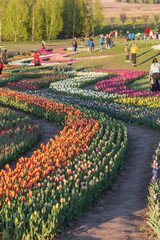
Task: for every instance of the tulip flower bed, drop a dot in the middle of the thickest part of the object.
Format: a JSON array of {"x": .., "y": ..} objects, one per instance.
[
  {"x": 9, "y": 78},
  {"x": 116, "y": 88},
  {"x": 154, "y": 194},
  {"x": 73, "y": 86},
  {"x": 138, "y": 115},
  {"x": 17, "y": 133},
  {"x": 35, "y": 84},
  {"x": 24, "y": 55},
  {"x": 8, "y": 67},
  {"x": 65, "y": 175},
  {"x": 4, "y": 74},
  {"x": 117, "y": 84},
  {"x": 146, "y": 102}
]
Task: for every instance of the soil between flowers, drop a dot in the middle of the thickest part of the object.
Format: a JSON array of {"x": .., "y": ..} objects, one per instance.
[
  {"x": 48, "y": 130},
  {"x": 120, "y": 213}
]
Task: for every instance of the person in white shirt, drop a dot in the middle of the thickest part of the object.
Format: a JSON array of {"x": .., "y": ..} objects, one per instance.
[{"x": 155, "y": 73}]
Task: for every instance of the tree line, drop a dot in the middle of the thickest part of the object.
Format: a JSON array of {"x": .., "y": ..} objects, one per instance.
[
  {"x": 48, "y": 19},
  {"x": 144, "y": 17}
]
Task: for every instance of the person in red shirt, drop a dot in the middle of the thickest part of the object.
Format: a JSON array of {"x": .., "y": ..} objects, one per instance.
[
  {"x": 1, "y": 66},
  {"x": 36, "y": 59}
]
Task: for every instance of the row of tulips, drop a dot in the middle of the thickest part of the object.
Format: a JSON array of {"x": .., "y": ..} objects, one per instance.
[
  {"x": 9, "y": 78},
  {"x": 150, "y": 102},
  {"x": 154, "y": 194},
  {"x": 74, "y": 86},
  {"x": 24, "y": 55},
  {"x": 8, "y": 67},
  {"x": 138, "y": 115},
  {"x": 17, "y": 133},
  {"x": 113, "y": 87},
  {"x": 117, "y": 84},
  {"x": 65, "y": 175},
  {"x": 35, "y": 84},
  {"x": 4, "y": 74}
]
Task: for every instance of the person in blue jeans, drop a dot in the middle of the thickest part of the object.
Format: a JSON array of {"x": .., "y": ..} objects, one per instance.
[
  {"x": 101, "y": 41},
  {"x": 90, "y": 45},
  {"x": 133, "y": 37},
  {"x": 74, "y": 44}
]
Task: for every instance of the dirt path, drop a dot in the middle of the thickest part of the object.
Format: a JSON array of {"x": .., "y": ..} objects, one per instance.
[{"x": 119, "y": 214}]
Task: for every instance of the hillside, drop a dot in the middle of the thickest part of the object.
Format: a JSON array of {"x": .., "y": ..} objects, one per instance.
[{"x": 113, "y": 8}]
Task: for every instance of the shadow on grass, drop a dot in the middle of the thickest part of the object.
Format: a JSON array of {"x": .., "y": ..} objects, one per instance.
[
  {"x": 143, "y": 53},
  {"x": 148, "y": 59},
  {"x": 141, "y": 86}
]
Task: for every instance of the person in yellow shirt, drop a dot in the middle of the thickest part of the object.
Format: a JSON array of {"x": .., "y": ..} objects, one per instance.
[{"x": 134, "y": 50}]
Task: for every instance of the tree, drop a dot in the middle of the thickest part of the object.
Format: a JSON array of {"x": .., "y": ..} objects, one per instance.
[
  {"x": 134, "y": 20},
  {"x": 112, "y": 21},
  {"x": 40, "y": 21},
  {"x": 15, "y": 18},
  {"x": 56, "y": 22},
  {"x": 145, "y": 19},
  {"x": 33, "y": 18},
  {"x": 98, "y": 16},
  {"x": 123, "y": 18},
  {"x": 71, "y": 24},
  {"x": 156, "y": 18}
]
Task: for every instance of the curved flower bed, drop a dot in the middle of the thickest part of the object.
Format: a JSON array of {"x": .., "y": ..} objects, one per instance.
[
  {"x": 154, "y": 194},
  {"x": 117, "y": 84},
  {"x": 74, "y": 86},
  {"x": 9, "y": 78},
  {"x": 4, "y": 74},
  {"x": 35, "y": 84},
  {"x": 147, "y": 102},
  {"x": 24, "y": 55},
  {"x": 65, "y": 175},
  {"x": 17, "y": 133},
  {"x": 6, "y": 66}
]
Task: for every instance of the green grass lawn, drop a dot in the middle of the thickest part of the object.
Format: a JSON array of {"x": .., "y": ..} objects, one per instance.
[
  {"x": 143, "y": 84},
  {"x": 145, "y": 56}
]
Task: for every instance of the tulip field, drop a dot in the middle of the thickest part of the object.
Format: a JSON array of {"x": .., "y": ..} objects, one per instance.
[{"x": 65, "y": 176}]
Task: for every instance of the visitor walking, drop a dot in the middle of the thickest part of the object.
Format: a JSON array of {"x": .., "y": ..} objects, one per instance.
[
  {"x": 120, "y": 33},
  {"x": 74, "y": 44},
  {"x": 127, "y": 50},
  {"x": 133, "y": 36},
  {"x": 43, "y": 44},
  {"x": 90, "y": 45},
  {"x": 127, "y": 35},
  {"x": 1, "y": 66},
  {"x": 36, "y": 59},
  {"x": 116, "y": 34},
  {"x": 106, "y": 37},
  {"x": 82, "y": 41},
  {"x": 4, "y": 56},
  {"x": 155, "y": 75},
  {"x": 109, "y": 41},
  {"x": 134, "y": 50},
  {"x": 101, "y": 41}
]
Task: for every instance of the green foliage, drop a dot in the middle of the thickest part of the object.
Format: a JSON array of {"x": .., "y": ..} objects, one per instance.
[{"x": 46, "y": 19}]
